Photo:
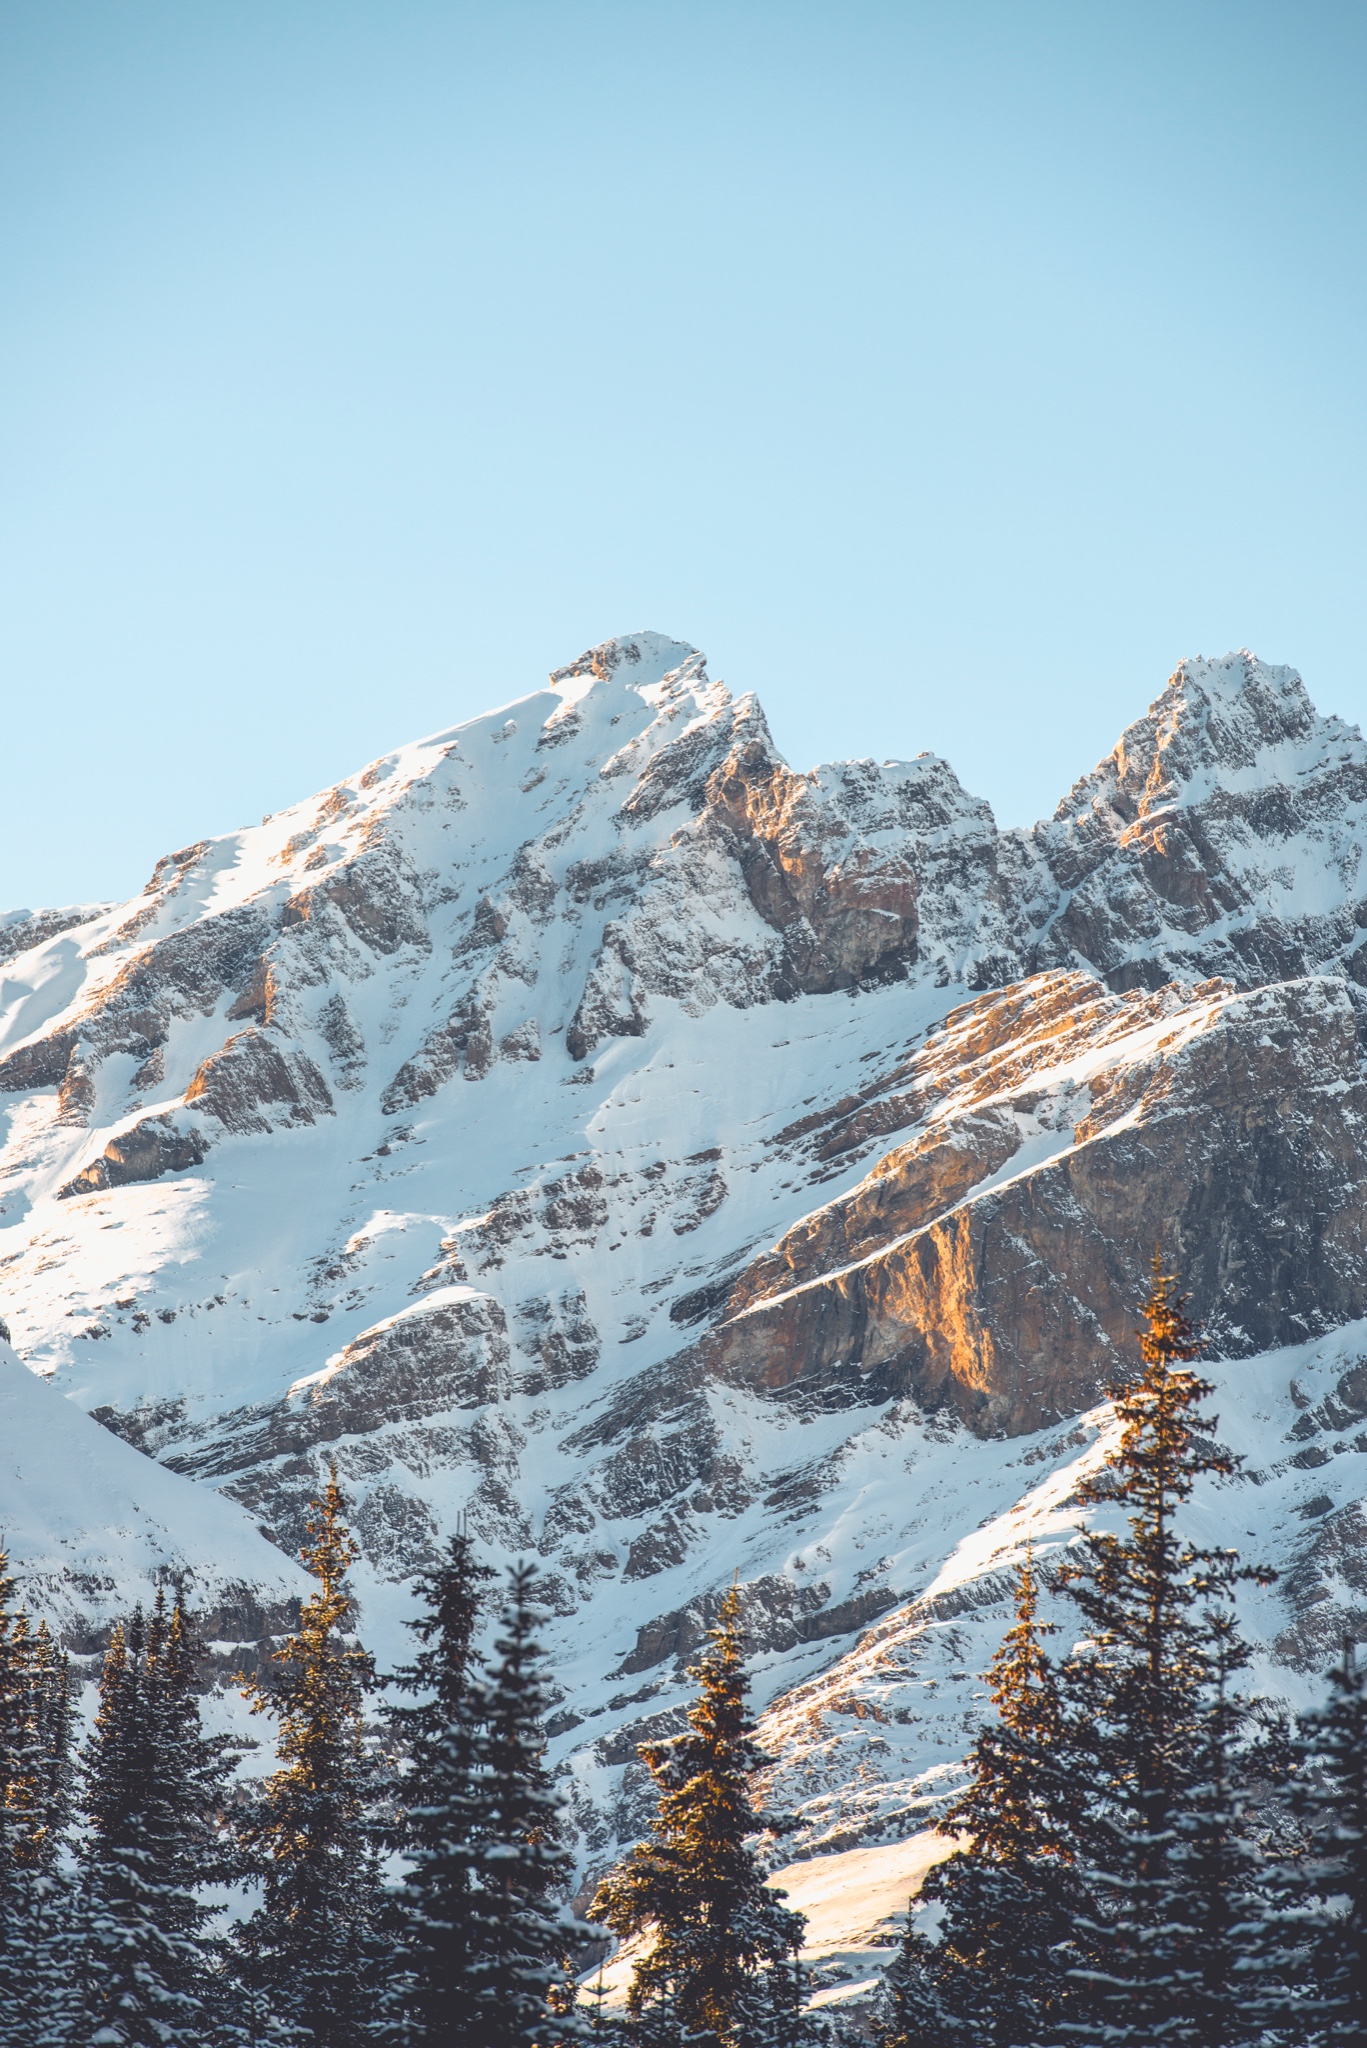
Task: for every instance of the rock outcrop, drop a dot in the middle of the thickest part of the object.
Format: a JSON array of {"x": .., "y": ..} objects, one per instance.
[{"x": 991, "y": 1263}]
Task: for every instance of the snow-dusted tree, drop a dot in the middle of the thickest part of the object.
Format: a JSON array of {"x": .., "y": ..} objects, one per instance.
[
  {"x": 598, "y": 2023},
  {"x": 997, "y": 1974},
  {"x": 1109, "y": 1877},
  {"x": 515, "y": 1988},
  {"x": 35, "y": 1785},
  {"x": 16, "y": 1788},
  {"x": 430, "y": 1972},
  {"x": 1317, "y": 1929},
  {"x": 153, "y": 1799},
  {"x": 912, "y": 2013},
  {"x": 719, "y": 1949},
  {"x": 308, "y": 1957},
  {"x": 52, "y": 1738},
  {"x": 55, "y": 1978},
  {"x": 1208, "y": 1928},
  {"x": 1339, "y": 1807},
  {"x": 1138, "y": 1697}
]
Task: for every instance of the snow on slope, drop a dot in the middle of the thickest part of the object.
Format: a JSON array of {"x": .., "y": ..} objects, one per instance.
[
  {"x": 578, "y": 1120},
  {"x": 90, "y": 1526}
]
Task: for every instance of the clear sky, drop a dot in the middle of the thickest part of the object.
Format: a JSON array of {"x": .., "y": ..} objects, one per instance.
[{"x": 946, "y": 371}]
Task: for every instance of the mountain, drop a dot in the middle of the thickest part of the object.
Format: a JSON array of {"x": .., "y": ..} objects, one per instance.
[{"x": 680, "y": 1165}]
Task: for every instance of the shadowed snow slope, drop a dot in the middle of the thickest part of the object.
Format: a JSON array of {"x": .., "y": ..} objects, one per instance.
[
  {"x": 90, "y": 1524},
  {"x": 580, "y": 1121}
]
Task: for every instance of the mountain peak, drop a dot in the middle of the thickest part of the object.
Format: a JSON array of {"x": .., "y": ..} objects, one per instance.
[
  {"x": 1221, "y": 721},
  {"x": 639, "y": 661}
]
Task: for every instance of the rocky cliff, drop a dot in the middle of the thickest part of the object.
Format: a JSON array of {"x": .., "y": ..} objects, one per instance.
[{"x": 581, "y": 1121}]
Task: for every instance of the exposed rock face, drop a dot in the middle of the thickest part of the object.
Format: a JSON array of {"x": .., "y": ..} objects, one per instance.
[
  {"x": 1017, "y": 1307},
  {"x": 582, "y": 1122},
  {"x": 449, "y": 1351},
  {"x": 846, "y": 907},
  {"x": 173, "y": 980},
  {"x": 253, "y": 1083},
  {"x": 22, "y": 929},
  {"x": 155, "y": 1146}
]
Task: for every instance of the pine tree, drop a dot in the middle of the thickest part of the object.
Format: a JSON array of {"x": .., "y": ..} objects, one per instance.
[
  {"x": 153, "y": 1800},
  {"x": 441, "y": 1733},
  {"x": 308, "y": 1956},
  {"x": 53, "y": 1728},
  {"x": 1015, "y": 1803},
  {"x": 16, "y": 1786},
  {"x": 1328, "y": 1889},
  {"x": 35, "y": 1774},
  {"x": 16, "y": 1959},
  {"x": 912, "y": 2014},
  {"x": 722, "y": 1968},
  {"x": 603, "y": 2028},
  {"x": 54, "y": 1973},
  {"x": 515, "y": 1990},
  {"x": 1111, "y": 1888},
  {"x": 1136, "y": 1691},
  {"x": 1213, "y": 1896},
  {"x": 997, "y": 1972}
]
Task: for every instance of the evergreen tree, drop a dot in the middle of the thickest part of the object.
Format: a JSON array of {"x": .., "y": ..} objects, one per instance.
[
  {"x": 515, "y": 1989},
  {"x": 1340, "y": 1737},
  {"x": 1109, "y": 1887},
  {"x": 1322, "y": 1929},
  {"x": 997, "y": 1972},
  {"x": 1015, "y": 1805},
  {"x": 1136, "y": 1691},
  {"x": 16, "y": 1785},
  {"x": 52, "y": 1737},
  {"x": 35, "y": 1774},
  {"x": 913, "y": 2014},
  {"x": 54, "y": 1974},
  {"x": 441, "y": 1732},
  {"x": 1210, "y": 1904},
  {"x": 722, "y": 1969},
  {"x": 603, "y": 2028},
  {"x": 308, "y": 1955},
  {"x": 153, "y": 1800}
]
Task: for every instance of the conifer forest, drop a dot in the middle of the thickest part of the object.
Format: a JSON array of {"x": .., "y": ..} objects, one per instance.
[{"x": 1144, "y": 1852}]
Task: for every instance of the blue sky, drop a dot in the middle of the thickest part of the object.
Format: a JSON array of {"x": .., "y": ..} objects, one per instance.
[{"x": 946, "y": 371}]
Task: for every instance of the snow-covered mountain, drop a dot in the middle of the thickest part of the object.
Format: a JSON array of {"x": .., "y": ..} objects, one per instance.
[{"x": 581, "y": 1121}]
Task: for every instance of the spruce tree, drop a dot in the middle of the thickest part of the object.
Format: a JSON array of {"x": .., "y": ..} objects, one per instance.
[
  {"x": 912, "y": 2014},
  {"x": 440, "y": 1731},
  {"x": 153, "y": 1801},
  {"x": 1111, "y": 1888},
  {"x": 1136, "y": 1691},
  {"x": 54, "y": 1974},
  {"x": 1328, "y": 1891},
  {"x": 308, "y": 1956},
  {"x": 52, "y": 1737},
  {"x": 997, "y": 1972},
  {"x": 35, "y": 1783},
  {"x": 16, "y": 1786},
  {"x": 15, "y": 1948},
  {"x": 598, "y": 2025},
  {"x": 721, "y": 1970},
  {"x": 515, "y": 1990},
  {"x": 1208, "y": 1908}
]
